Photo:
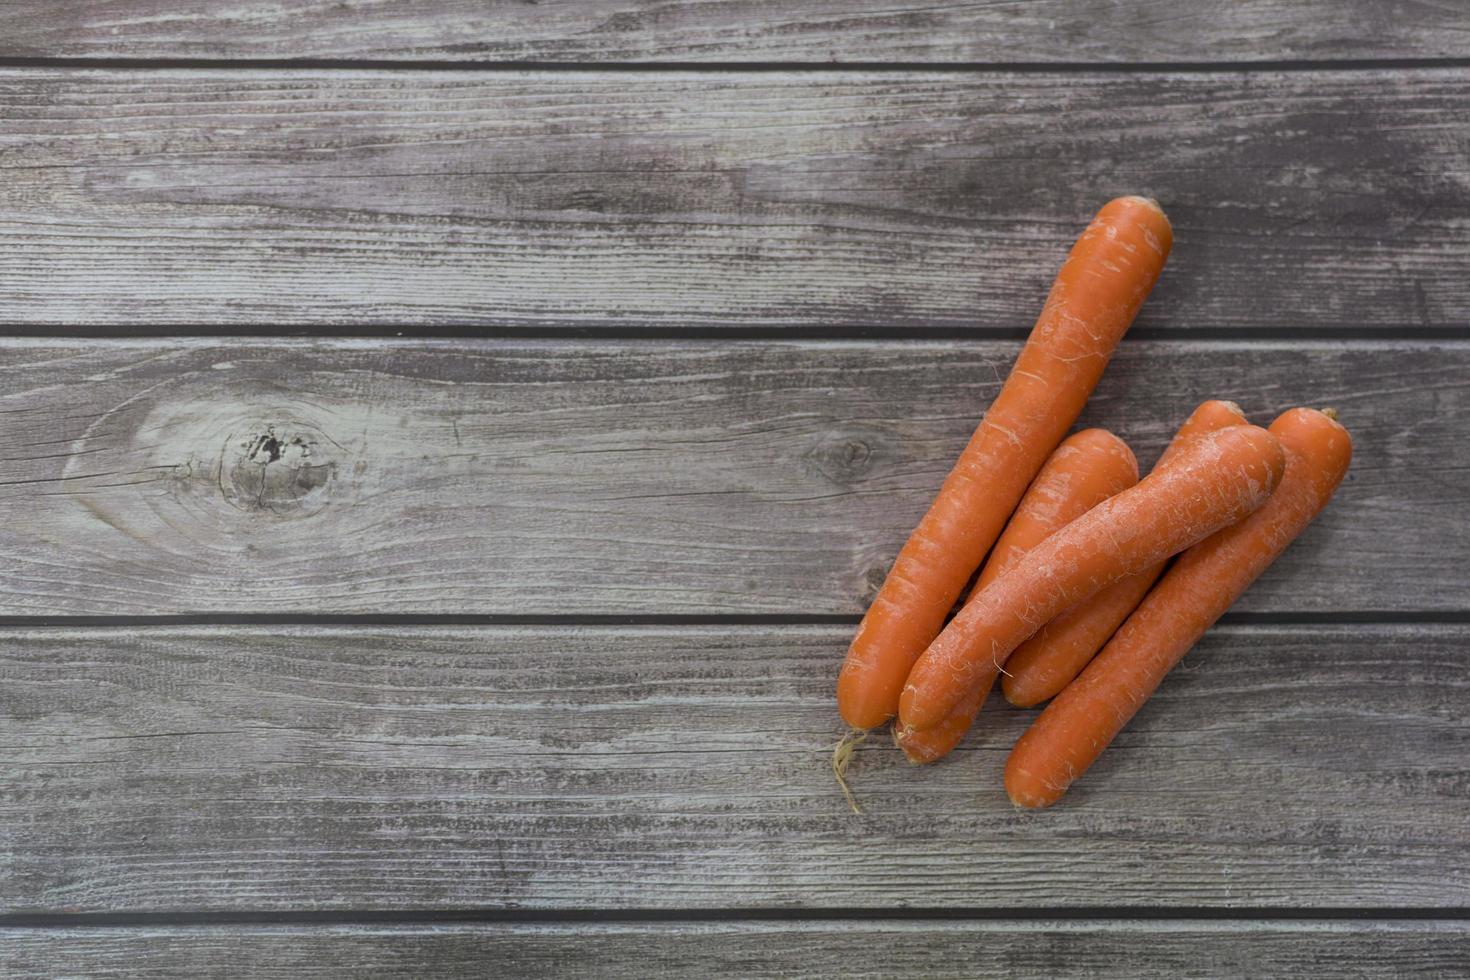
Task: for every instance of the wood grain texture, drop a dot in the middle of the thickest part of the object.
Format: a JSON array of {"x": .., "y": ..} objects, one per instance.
[
  {"x": 199, "y": 769},
  {"x": 1059, "y": 950},
  {"x": 551, "y": 478},
  {"x": 737, "y": 30},
  {"x": 666, "y": 199}
]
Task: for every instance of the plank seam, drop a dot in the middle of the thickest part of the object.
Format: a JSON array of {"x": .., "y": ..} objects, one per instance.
[
  {"x": 732, "y": 67},
  {"x": 842, "y": 334},
  {"x": 135, "y": 920},
  {"x": 1361, "y": 617}
]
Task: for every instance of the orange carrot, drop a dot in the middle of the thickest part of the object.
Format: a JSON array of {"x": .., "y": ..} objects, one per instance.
[
  {"x": 1212, "y": 482},
  {"x": 1047, "y": 662},
  {"x": 1095, "y": 297},
  {"x": 1088, "y": 468},
  {"x": 1075, "y": 728}
]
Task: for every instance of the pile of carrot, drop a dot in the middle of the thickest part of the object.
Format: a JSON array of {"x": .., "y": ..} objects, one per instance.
[{"x": 1090, "y": 584}]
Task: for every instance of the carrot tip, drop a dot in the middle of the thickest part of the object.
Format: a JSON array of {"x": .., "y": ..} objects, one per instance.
[
  {"x": 842, "y": 758},
  {"x": 1330, "y": 413},
  {"x": 1022, "y": 800},
  {"x": 917, "y": 755},
  {"x": 1151, "y": 202}
]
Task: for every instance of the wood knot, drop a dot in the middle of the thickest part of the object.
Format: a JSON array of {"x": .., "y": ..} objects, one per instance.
[
  {"x": 278, "y": 469},
  {"x": 841, "y": 458},
  {"x": 873, "y": 580}
]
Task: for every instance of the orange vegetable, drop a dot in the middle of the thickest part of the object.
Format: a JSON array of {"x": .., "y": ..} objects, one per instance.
[
  {"x": 1075, "y": 728},
  {"x": 1212, "y": 482},
  {"x": 1095, "y": 297},
  {"x": 1047, "y": 662},
  {"x": 1088, "y": 468}
]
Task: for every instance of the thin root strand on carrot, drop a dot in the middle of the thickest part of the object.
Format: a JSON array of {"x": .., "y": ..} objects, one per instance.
[{"x": 842, "y": 755}]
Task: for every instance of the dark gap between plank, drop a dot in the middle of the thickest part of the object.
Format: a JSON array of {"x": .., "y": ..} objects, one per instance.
[
  {"x": 1358, "y": 617},
  {"x": 730, "y": 67},
  {"x": 898, "y": 334},
  {"x": 127, "y": 920}
]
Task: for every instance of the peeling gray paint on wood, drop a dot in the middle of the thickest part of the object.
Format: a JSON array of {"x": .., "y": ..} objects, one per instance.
[
  {"x": 200, "y": 769},
  {"x": 1059, "y": 950},
  {"x": 551, "y": 478},
  {"x": 677, "y": 199},
  {"x": 738, "y": 30}
]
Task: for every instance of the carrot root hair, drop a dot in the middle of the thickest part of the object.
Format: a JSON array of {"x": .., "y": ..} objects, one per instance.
[{"x": 842, "y": 755}]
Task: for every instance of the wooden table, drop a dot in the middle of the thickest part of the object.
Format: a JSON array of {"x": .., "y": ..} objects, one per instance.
[{"x": 447, "y": 447}]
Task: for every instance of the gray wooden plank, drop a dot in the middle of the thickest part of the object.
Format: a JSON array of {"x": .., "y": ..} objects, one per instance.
[
  {"x": 738, "y": 30},
  {"x": 511, "y": 477},
  {"x": 1313, "y": 199},
  {"x": 229, "y": 768},
  {"x": 1094, "y": 949}
]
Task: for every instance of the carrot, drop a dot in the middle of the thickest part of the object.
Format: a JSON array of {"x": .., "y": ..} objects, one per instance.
[
  {"x": 1086, "y": 469},
  {"x": 1047, "y": 662},
  {"x": 1212, "y": 482},
  {"x": 1075, "y": 728},
  {"x": 1095, "y": 297}
]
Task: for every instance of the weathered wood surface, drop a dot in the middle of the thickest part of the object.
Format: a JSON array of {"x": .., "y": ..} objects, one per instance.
[
  {"x": 739, "y": 30},
  {"x": 1320, "y": 199},
  {"x": 229, "y": 768},
  {"x": 1096, "y": 950},
  {"x": 549, "y": 478}
]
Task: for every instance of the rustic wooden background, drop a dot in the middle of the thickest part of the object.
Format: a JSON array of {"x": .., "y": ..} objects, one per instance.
[{"x": 448, "y": 445}]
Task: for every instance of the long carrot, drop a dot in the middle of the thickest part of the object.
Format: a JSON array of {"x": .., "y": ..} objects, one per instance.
[
  {"x": 1075, "y": 728},
  {"x": 1086, "y": 469},
  {"x": 1095, "y": 297},
  {"x": 1047, "y": 662},
  {"x": 1212, "y": 482}
]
